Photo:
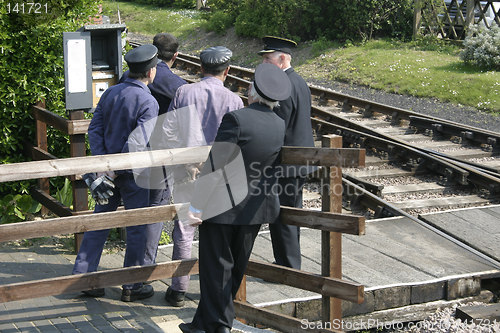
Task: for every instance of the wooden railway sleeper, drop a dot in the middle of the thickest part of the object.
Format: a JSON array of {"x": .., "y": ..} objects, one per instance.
[
  {"x": 367, "y": 185},
  {"x": 367, "y": 111},
  {"x": 437, "y": 127},
  {"x": 395, "y": 119},
  {"x": 346, "y": 106}
]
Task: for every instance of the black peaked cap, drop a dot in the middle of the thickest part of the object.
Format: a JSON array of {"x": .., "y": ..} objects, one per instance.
[
  {"x": 142, "y": 58},
  {"x": 215, "y": 56},
  {"x": 272, "y": 83},
  {"x": 272, "y": 44}
]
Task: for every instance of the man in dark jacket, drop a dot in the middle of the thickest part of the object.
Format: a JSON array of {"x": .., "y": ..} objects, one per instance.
[
  {"x": 248, "y": 142},
  {"x": 296, "y": 112}
]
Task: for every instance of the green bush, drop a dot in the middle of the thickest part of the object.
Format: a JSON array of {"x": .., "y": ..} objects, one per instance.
[
  {"x": 32, "y": 69},
  {"x": 482, "y": 47},
  {"x": 307, "y": 20},
  {"x": 188, "y": 4},
  {"x": 355, "y": 20},
  {"x": 220, "y": 21},
  {"x": 16, "y": 208}
]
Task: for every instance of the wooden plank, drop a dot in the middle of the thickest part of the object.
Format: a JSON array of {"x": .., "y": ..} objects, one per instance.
[
  {"x": 333, "y": 222},
  {"x": 40, "y": 154},
  {"x": 383, "y": 173},
  {"x": 82, "y": 223},
  {"x": 471, "y": 231},
  {"x": 112, "y": 277},
  {"x": 42, "y": 144},
  {"x": 331, "y": 242},
  {"x": 326, "y": 286},
  {"x": 414, "y": 188},
  {"x": 51, "y": 203},
  {"x": 78, "y": 126},
  {"x": 342, "y": 157},
  {"x": 480, "y": 314},
  {"x": 49, "y": 118},
  {"x": 278, "y": 321},
  {"x": 100, "y": 163},
  {"x": 445, "y": 202},
  {"x": 80, "y": 191}
]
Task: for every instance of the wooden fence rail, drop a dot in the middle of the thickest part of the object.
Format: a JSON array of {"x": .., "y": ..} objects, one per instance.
[{"x": 328, "y": 222}]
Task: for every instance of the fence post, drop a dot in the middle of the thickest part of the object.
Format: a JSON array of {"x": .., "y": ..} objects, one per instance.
[
  {"x": 417, "y": 17},
  {"x": 41, "y": 142},
  {"x": 80, "y": 194},
  {"x": 331, "y": 242},
  {"x": 241, "y": 296},
  {"x": 469, "y": 14}
]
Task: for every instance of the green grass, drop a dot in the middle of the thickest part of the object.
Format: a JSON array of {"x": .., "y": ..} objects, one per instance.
[
  {"x": 408, "y": 68},
  {"x": 426, "y": 68},
  {"x": 147, "y": 19}
]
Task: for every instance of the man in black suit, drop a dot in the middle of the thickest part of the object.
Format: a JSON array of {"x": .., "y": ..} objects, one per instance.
[
  {"x": 296, "y": 112},
  {"x": 248, "y": 143}
]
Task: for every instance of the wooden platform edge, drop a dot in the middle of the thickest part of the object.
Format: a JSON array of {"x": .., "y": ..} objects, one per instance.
[{"x": 276, "y": 320}]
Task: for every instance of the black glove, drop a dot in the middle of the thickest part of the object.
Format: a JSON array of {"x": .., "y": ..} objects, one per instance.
[{"x": 101, "y": 187}]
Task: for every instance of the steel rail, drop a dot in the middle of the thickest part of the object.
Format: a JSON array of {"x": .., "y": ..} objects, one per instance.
[
  {"x": 478, "y": 175},
  {"x": 445, "y": 164},
  {"x": 444, "y": 168},
  {"x": 327, "y": 97},
  {"x": 347, "y": 102}
]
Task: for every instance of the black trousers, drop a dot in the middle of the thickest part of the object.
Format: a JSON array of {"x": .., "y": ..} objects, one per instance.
[
  {"x": 224, "y": 251},
  {"x": 286, "y": 238}
]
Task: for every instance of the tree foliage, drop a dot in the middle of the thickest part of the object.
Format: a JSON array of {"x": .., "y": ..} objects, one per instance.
[
  {"x": 305, "y": 20},
  {"x": 32, "y": 69}
]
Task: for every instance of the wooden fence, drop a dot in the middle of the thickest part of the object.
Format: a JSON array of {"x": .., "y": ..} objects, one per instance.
[
  {"x": 450, "y": 19},
  {"x": 331, "y": 222}
]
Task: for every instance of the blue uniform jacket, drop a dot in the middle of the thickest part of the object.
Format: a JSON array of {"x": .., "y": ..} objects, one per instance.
[
  {"x": 121, "y": 109},
  {"x": 164, "y": 85}
]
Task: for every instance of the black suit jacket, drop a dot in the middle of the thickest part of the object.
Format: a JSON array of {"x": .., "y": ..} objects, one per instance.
[
  {"x": 296, "y": 112},
  {"x": 257, "y": 133}
]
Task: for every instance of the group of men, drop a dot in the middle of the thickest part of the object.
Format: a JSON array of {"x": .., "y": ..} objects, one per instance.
[{"x": 245, "y": 141}]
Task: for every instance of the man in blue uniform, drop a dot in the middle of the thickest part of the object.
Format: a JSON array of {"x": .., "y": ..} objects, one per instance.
[
  {"x": 121, "y": 109},
  {"x": 163, "y": 88},
  {"x": 192, "y": 120},
  {"x": 296, "y": 112},
  {"x": 226, "y": 240}
]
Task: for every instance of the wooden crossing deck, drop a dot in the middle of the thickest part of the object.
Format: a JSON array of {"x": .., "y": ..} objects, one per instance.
[{"x": 399, "y": 261}]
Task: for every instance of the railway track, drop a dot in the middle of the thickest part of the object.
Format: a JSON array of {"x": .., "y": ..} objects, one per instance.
[{"x": 415, "y": 163}]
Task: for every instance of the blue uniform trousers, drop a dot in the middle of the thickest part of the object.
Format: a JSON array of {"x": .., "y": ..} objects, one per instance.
[
  {"x": 157, "y": 197},
  {"x": 92, "y": 245}
]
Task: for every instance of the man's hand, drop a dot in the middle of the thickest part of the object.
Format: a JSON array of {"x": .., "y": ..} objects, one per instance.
[
  {"x": 193, "y": 170},
  {"x": 194, "y": 216},
  {"x": 101, "y": 188}
]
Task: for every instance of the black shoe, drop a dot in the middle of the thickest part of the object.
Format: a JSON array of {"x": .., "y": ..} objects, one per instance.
[
  {"x": 188, "y": 328},
  {"x": 130, "y": 295},
  {"x": 174, "y": 298},
  {"x": 223, "y": 329},
  {"x": 94, "y": 292}
]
